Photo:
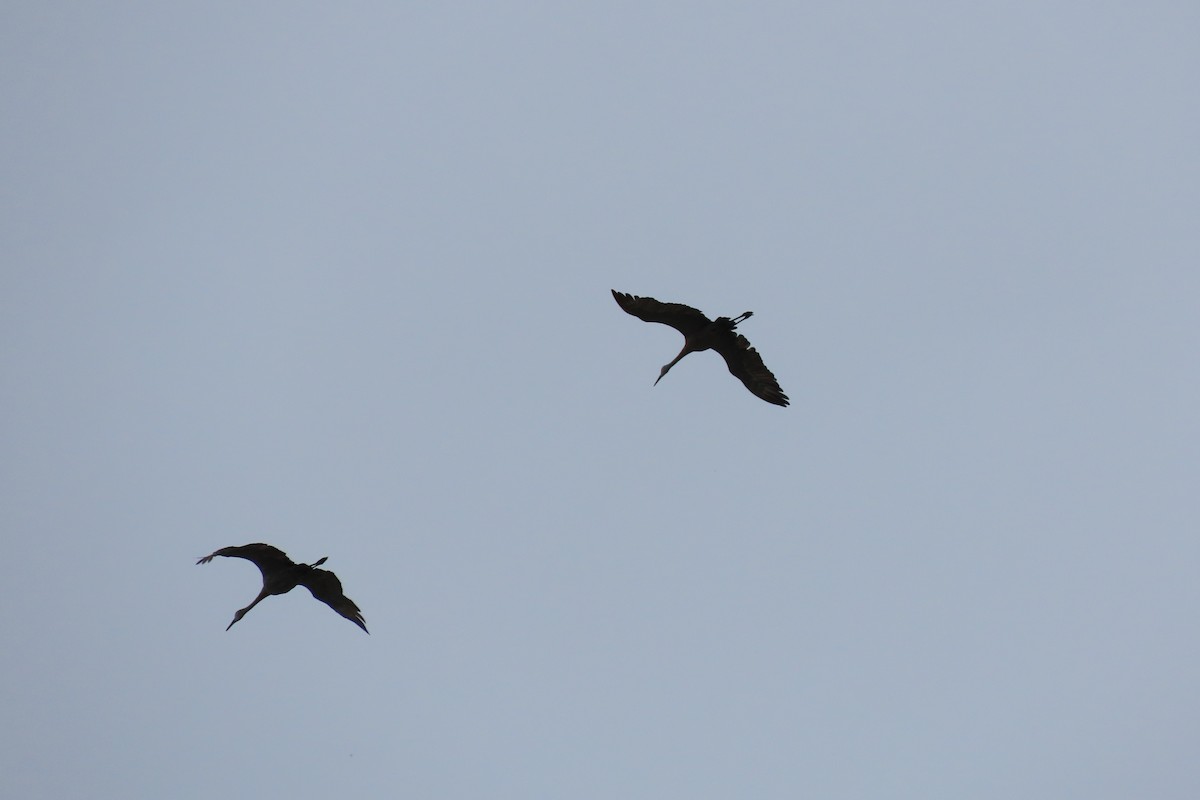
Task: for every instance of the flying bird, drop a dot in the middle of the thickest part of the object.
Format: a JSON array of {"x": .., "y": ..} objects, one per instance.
[
  {"x": 701, "y": 333},
  {"x": 280, "y": 575}
]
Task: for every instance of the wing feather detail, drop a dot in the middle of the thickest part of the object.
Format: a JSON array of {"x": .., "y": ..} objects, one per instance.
[
  {"x": 685, "y": 319},
  {"x": 326, "y": 587},
  {"x": 747, "y": 365}
]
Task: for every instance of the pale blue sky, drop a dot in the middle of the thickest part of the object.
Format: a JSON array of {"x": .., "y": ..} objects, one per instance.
[{"x": 336, "y": 277}]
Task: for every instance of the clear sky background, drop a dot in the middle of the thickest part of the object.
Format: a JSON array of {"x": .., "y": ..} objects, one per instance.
[{"x": 336, "y": 277}]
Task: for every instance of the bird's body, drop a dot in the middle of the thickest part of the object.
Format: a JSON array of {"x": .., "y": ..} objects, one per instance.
[
  {"x": 280, "y": 575},
  {"x": 701, "y": 333}
]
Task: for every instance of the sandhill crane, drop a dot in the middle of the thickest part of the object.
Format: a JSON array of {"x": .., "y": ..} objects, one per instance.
[
  {"x": 701, "y": 333},
  {"x": 280, "y": 575}
]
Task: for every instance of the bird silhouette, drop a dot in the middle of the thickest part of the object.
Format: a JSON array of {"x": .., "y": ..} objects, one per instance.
[
  {"x": 280, "y": 575},
  {"x": 701, "y": 333}
]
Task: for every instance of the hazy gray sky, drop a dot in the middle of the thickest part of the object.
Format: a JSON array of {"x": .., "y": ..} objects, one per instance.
[{"x": 336, "y": 277}]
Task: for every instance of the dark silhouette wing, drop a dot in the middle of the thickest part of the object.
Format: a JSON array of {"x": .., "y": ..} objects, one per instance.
[
  {"x": 326, "y": 587},
  {"x": 685, "y": 319},
  {"x": 747, "y": 366},
  {"x": 268, "y": 559}
]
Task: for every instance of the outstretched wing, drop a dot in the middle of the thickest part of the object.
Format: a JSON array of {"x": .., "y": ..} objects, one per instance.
[
  {"x": 326, "y": 587},
  {"x": 685, "y": 319},
  {"x": 747, "y": 365},
  {"x": 268, "y": 559}
]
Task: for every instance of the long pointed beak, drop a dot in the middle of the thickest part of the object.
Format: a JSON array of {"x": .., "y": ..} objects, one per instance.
[{"x": 656, "y": 380}]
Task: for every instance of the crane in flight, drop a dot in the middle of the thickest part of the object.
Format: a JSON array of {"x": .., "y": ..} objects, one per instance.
[
  {"x": 701, "y": 333},
  {"x": 280, "y": 575}
]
